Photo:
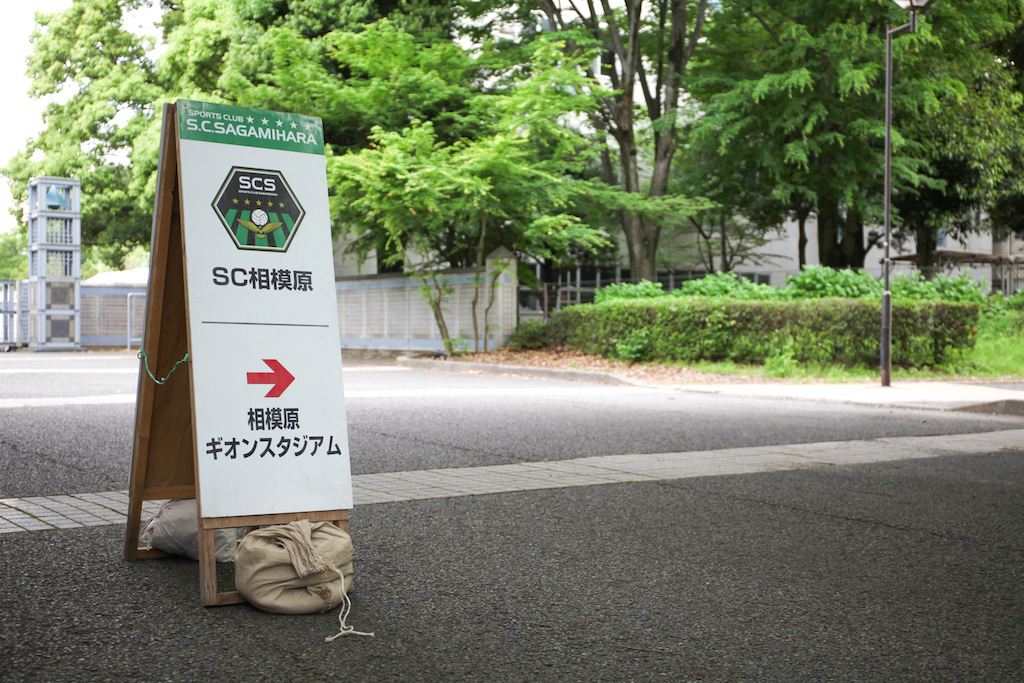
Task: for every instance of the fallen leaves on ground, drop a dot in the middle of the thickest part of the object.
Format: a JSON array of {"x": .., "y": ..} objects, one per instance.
[{"x": 567, "y": 359}]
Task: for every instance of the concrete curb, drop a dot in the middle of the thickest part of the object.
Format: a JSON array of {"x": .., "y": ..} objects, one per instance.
[
  {"x": 543, "y": 373},
  {"x": 1006, "y": 407},
  {"x": 1001, "y": 406},
  {"x": 1013, "y": 408}
]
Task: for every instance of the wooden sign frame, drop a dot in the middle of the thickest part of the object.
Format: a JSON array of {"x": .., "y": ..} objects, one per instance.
[{"x": 165, "y": 452}]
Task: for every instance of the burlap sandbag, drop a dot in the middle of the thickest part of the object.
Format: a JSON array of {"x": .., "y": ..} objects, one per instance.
[{"x": 294, "y": 568}]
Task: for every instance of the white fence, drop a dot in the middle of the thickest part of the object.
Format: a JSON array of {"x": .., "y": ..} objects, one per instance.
[
  {"x": 9, "y": 335},
  {"x": 379, "y": 312},
  {"x": 112, "y": 316},
  {"x": 390, "y": 312}
]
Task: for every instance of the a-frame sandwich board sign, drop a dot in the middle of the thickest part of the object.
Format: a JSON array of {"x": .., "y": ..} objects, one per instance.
[{"x": 241, "y": 294}]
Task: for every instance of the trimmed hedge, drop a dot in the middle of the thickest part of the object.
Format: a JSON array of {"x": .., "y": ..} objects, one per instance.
[
  {"x": 824, "y": 331},
  {"x": 813, "y": 282},
  {"x": 529, "y": 336}
]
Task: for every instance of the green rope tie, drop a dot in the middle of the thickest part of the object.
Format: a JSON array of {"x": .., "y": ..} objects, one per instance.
[{"x": 142, "y": 356}]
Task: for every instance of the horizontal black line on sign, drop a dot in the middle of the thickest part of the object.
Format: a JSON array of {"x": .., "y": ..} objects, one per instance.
[{"x": 229, "y": 322}]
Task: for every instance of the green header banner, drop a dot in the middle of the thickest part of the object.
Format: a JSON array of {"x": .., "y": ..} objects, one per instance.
[{"x": 230, "y": 125}]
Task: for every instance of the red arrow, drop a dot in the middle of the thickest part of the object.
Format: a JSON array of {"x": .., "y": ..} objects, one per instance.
[{"x": 280, "y": 378}]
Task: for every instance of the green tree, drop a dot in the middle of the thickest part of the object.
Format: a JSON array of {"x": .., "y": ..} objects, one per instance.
[
  {"x": 644, "y": 54},
  {"x": 971, "y": 145},
  {"x": 102, "y": 85},
  {"x": 103, "y": 124},
  {"x": 803, "y": 89},
  {"x": 746, "y": 212},
  {"x": 13, "y": 255},
  {"x": 1006, "y": 206},
  {"x": 448, "y": 204},
  {"x": 380, "y": 76},
  {"x": 281, "y": 55}
]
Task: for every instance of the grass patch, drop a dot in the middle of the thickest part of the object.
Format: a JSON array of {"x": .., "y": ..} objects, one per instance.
[
  {"x": 994, "y": 356},
  {"x": 999, "y": 356},
  {"x": 807, "y": 372}
]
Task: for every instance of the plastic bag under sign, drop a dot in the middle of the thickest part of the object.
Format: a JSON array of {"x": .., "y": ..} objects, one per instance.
[{"x": 175, "y": 530}]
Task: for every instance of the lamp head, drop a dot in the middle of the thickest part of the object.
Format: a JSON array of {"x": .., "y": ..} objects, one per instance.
[{"x": 912, "y": 5}]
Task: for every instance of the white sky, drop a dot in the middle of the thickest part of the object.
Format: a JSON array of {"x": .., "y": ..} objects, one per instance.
[{"x": 22, "y": 117}]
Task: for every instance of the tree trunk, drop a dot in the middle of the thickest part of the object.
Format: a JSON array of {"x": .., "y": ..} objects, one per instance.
[
  {"x": 641, "y": 236},
  {"x": 638, "y": 237},
  {"x": 840, "y": 238},
  {"x": 829, "y": 222},
  {"x": 476, "y": 289},
  {"x": 725, "y": 242},
  {"x": 607, "y": 168},
  {"x": 493, "y": 286},
  {"x": 852, "y": 243},
  {"x": 927, "y": 243},
  {"x": 704, "y": 241},
  {"x": 801, "y": 218},
  {"x": 606, "y": 26},
  {"x": 435, "y": 291}
]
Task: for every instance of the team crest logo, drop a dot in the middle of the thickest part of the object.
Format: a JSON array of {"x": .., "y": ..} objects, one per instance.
[{"x": 259, "y": 209}]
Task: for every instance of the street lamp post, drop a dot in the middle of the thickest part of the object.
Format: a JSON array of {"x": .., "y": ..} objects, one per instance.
[{"x": 912, "y": 6}]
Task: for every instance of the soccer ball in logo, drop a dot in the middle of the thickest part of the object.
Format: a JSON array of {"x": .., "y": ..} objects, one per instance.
[{"x": 258, "y": 209}]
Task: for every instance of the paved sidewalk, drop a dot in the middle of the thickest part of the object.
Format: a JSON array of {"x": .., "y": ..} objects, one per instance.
[
  {"x": 972, "y": 396},
  {"x": 961, "y": 396},
  {"x": 98, "y": 509}
]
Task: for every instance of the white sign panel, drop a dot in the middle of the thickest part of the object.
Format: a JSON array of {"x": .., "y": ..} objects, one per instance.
[{"x": 266, "y": 360}]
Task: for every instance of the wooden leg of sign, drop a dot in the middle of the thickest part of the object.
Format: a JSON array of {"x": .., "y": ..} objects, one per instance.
[
  {"x": 342, "y": 521},
  {"x": 162, "y": 458},
  {"x": 207, "y": 568},
  {"x": 131, "y": 545},
  {"x": 208, "y": 594},
  {"x": 208, "y": 574}
]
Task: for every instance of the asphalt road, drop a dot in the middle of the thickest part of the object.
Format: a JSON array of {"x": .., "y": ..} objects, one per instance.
[
  {"x": 888, "y": 572},
  {"x": 403, "y": 419},
  {"x": 907, "y": 570}
]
